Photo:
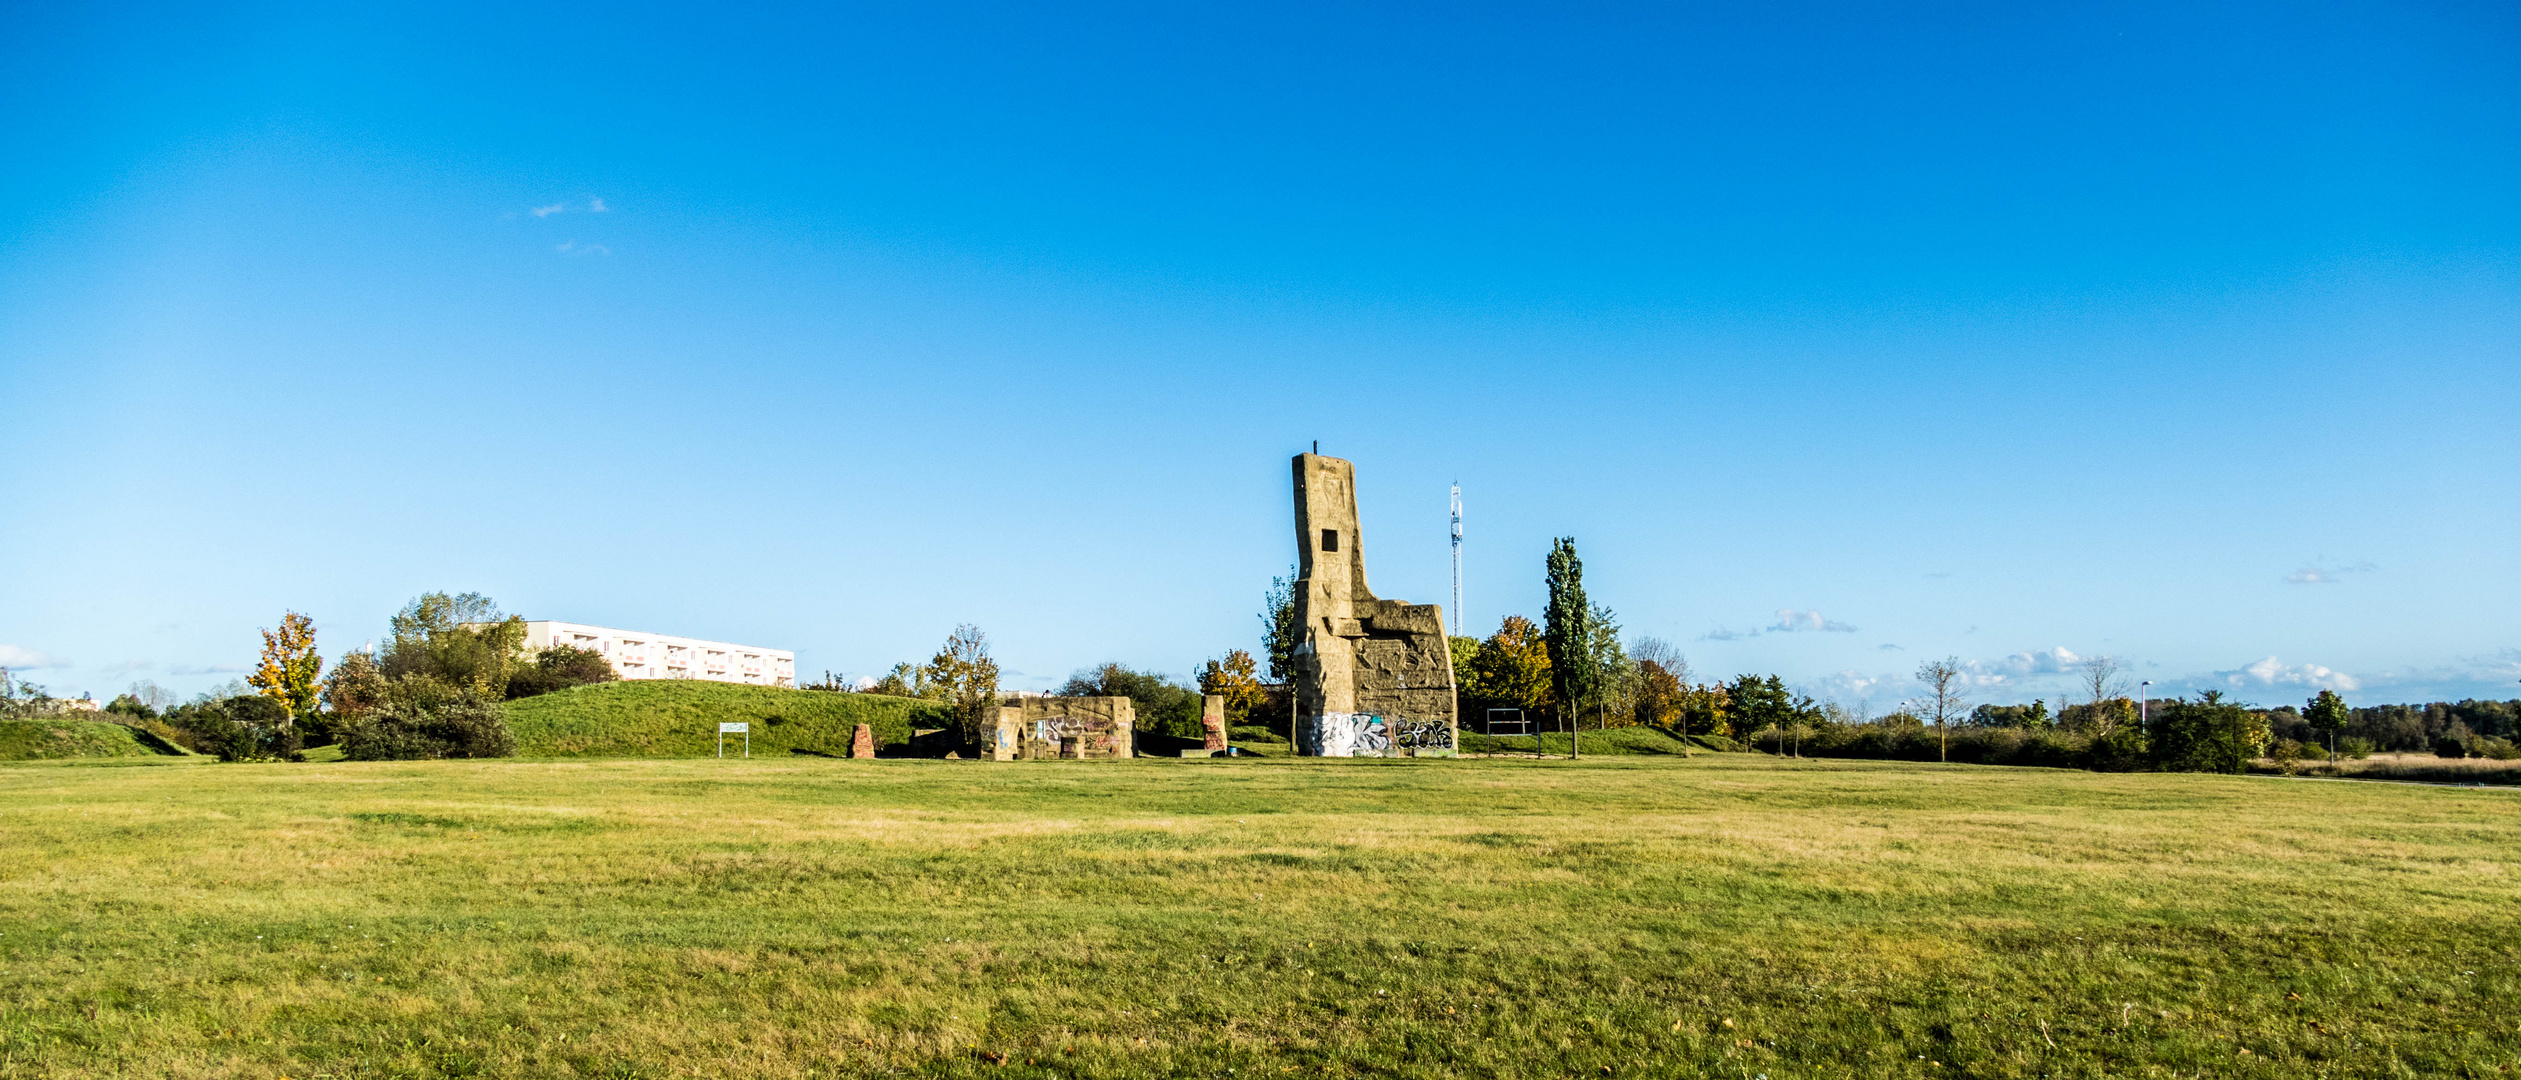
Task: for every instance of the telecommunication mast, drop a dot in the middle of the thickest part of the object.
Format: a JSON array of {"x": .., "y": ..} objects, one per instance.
[{"x": 1457, "y": 560}]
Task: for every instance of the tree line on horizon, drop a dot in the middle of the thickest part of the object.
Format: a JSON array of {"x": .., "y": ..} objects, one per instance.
[{"x": 449, "y": 662}]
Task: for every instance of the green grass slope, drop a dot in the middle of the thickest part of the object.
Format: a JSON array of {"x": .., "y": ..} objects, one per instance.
[
  {"x": 680, "y": 718},
  {"x": 31, "y": 740}
]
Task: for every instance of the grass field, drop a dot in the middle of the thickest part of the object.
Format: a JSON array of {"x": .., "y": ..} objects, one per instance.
[
  {"x": 1725, "y": 915},
  {"x": 679, "y": 718}
]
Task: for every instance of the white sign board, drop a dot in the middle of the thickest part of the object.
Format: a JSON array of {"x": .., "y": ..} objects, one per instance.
[{"x": 733, "y": 728}]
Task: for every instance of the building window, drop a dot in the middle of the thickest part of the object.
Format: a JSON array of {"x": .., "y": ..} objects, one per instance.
[{"x": 1330, "y": 539}]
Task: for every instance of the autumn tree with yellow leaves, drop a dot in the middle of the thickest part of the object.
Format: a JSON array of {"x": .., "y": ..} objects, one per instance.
[
  {"x": 1236, "y": 678},
  {"x": 290, "y": 667}
]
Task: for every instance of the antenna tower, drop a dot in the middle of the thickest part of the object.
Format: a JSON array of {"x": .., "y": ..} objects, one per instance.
[{"x": 1457, "y": 560}]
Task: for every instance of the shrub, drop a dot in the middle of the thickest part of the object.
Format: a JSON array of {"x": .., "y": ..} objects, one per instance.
[
  {"x": 2124, "y": 749},
  {"x": 2498, "y": 749},
  {"x": 559, "y": 668},
  {"x": 2450, "y": 746},
  {"x": 2354, "y": 748},
  {"x": 461, "y": 726},
  {"x": 248, "y": 727},
  {"x": 2287, "y": 754}
]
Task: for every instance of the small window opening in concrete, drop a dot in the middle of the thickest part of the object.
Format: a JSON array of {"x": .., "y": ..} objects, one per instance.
[{"x": 1330, "y": 539}]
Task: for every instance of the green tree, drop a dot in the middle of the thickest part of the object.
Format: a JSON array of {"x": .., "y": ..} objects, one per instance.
[
  {"x": 2327, "y": 714},
  {"x": 2206, "y": 735},
  {"x": 461, "y": 640},
  {"x": 1278, "y": 627},
  {"x": 1758, "y": 703},
  {"x": 905, "y": 680},
  {"x": 1163, "y": 706},
  {"x": 1614, "y": 672},
  {"x": 289, "y": 669},
  {"x": 1567, "y": 633},
  {"x": 356, "y": 688},
  {"x": 1465, "y": 649},
  {"x": 964, "y": 676},
  {"x": 558, "y": 667}
]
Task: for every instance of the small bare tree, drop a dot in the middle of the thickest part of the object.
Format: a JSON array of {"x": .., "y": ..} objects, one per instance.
[
  {"x": 1662, "y": 654},
  {"x": 1945, "y": 701},
  {"x": 968, "y": 679},
  {"x": 2103, "y": 679}
]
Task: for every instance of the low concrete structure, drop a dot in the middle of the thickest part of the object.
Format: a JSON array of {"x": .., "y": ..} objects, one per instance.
[
  {"x": 862, "y": 743},
  {"x": 1374, "y": 677},
  {"x": 636, "y": 655},
  {"x": 1035, "y": 726},
  {"x": 1212, "y": 722}
]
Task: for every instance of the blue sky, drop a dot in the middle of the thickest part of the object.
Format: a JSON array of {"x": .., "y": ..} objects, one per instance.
[{"x": 1839, "y": 337}]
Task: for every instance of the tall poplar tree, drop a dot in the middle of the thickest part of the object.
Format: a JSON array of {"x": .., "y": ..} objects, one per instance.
[{"x": 1568, "y": 633}]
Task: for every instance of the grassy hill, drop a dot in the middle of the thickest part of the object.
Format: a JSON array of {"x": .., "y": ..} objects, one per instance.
[
  {"x": 30, "y": 740},
  {"x": 680, "y": 718}
]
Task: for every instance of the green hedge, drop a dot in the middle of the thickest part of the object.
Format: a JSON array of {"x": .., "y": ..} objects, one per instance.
[{"x": 680, "y": 718}]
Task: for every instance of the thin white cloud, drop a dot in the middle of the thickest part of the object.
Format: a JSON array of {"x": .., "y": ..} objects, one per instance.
[
  {"x": 547, "y": 211},
  {"x": 596, "y": 206},
  {"x": 214, "y": 669},
  {"x": 19, "y": 658},
  {"x": 572, "y": 247},
  {"x": 1790, "y": 621},
  {"x": 2273, "y": 672},
  {"x": 1888, "y": 647},
  {"x": 2053, "y": 661},
  {"x": 126, "y": 667},
  {"x": 2318, "y": 573},
  {"x": 1722, "y": 634}
]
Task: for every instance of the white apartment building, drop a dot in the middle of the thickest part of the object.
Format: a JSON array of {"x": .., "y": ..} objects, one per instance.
[{"x": 635, "y": 655}]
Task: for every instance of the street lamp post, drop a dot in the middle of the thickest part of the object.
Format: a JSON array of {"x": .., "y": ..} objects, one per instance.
[{"x": 2144, "y": 707}]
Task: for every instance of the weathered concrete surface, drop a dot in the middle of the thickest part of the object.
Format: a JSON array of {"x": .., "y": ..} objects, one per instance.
[
  {"x": 862, "y": 743},
  {"x": 1034, "y": 726},
  {"x": 1212, "y": 721},
  {"x": 1357, "y": 654}
]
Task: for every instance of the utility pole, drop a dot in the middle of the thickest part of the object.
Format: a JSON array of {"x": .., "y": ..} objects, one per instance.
[{"x": 1457, "y": 560}]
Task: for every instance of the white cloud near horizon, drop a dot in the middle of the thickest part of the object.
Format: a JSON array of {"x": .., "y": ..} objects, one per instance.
[
  {"x": 2273, "y": 672},
  {"x": 1790, "y": 621},
  {"x": 547, "y": 211},
  {"x": 572, "y": 247},
  {"x": 596, "y": 206},
  {"x": 20, "y": 658}
]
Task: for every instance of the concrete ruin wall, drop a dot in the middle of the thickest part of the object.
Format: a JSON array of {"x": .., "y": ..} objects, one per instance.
[
  {"x": 1374, "y": 677},
  {"x": 1034, "y": 726}
]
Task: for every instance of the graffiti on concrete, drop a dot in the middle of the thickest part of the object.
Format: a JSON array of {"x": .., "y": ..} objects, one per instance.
[
  {"x": 1422, "y": 734},
  {"x": 1339, "y": 734}
]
